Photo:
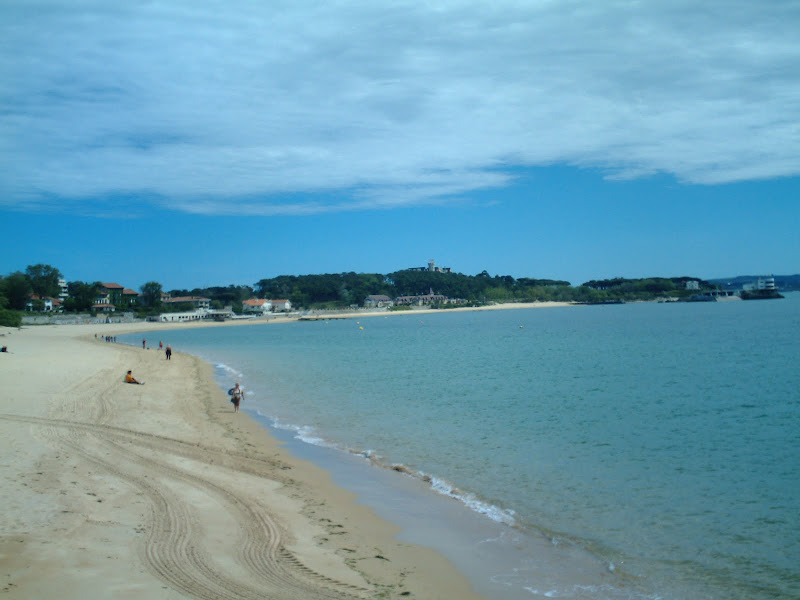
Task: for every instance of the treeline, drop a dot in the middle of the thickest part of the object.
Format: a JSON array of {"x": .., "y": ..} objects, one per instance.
[
  {"x": 336, "y": 290},
  {"x": 17, "y": 288},
  {"x": 351, "y": 289},
  {"x": 620, "y": 289},
  {"x": 340, "y": 290}
]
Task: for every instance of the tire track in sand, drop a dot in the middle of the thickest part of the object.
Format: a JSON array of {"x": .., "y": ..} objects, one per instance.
[{"x": 173, "y": 549}]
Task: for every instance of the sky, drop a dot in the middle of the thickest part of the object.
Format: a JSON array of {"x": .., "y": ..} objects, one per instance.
[{"x": 215, "y": 143}]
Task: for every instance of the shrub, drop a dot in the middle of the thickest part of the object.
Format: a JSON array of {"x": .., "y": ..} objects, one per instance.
[{"x": 10, "y": 318}]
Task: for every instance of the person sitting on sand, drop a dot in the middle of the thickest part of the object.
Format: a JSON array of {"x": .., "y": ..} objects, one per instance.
[{"x": 129, "y": 379}]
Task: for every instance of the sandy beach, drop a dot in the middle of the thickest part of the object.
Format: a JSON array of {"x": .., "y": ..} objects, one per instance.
[{"x": 114, "y": 490}]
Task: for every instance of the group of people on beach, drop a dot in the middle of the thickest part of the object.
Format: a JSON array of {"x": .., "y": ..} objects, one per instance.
[
  {"x": 236, "y": 392},
  {"x": 167, "y": 351},
  {"x": 129, "y": 378}
]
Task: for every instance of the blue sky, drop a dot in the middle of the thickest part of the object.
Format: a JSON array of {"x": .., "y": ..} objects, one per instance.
[{"x": 216, "y": 143}]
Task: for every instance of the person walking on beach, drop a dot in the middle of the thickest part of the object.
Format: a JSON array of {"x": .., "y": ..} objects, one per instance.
[
  {"x": 144, "y": 343},
  {"x": 160, "y": 345},
  {"x": 168, "y": 352},
  {"x": 129, "y": 379},
  {"x": 236, "y": 393}
]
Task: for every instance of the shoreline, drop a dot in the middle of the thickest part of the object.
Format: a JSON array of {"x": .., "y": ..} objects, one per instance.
[
  {"x": 146, "y": 326},
  {"x": 109, "y": 486}
]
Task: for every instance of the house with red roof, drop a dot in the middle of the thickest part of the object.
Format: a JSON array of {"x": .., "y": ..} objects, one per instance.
[
  {"x": 262, "y": 306},
  {"x": 258, "y": 306}
]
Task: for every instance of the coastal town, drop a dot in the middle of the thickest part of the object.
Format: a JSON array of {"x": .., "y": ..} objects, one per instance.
[{"x": 42, "y": 290}]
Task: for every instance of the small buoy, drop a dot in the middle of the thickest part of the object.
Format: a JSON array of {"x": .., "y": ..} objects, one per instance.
[
  {"x": 361, "y": 328},
  {"x": 520, "y": 326}
]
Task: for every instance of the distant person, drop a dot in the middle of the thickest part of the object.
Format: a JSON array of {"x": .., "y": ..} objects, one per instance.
[
  {"x": 129, "y": 379},
  {"x": 160, "y": 345},
  {"x": 237, "y": 394},
  {"x": 144, "y": 343},
  {"x": 168, "y": 352},
  {"x": 5, "y": 349}
]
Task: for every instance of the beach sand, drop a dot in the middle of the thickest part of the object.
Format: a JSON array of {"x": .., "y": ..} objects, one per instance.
[{"x": 113, "y": 490}]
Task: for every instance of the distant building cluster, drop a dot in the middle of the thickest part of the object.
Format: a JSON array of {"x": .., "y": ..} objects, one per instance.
[
  {"x": 262, "y": 306},
  {"x": 49, "y": 304},
  {"x": 114, "y": 297},
  {"x": 382, "y": 301}
]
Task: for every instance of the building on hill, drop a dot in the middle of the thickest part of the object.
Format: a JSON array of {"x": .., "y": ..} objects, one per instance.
[{"x": 431, "y": 268}]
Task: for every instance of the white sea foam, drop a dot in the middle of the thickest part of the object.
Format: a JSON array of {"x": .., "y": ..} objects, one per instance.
[
  {"x": 495, "y": 513},
  {"x": 547, "y": 594},
  {"x": 229, "y": 370}
]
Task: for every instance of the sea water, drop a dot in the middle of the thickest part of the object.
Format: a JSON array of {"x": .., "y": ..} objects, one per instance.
[{"x": 661, "y": 441}]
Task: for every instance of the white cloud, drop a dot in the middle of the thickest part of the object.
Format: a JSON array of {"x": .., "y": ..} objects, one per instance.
[{"x": 245, "y": 107}]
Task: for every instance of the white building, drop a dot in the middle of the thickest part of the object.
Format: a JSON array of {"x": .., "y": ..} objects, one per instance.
[
  {"x": 183, "y": 316},
  {"x": 281, "y": 305},
  {"x": 766, "y": 283},
  {"x": 63, "y": 292},
  {"x": 257, "y": 306},
  {"x": 762, "y": 283}
]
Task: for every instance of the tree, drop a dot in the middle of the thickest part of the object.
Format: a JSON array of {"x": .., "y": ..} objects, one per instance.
[
  {"x": 44, "y": 280},
  {"x": 151, "y": 294},
  {"x": 82, "y": 295},
  {"x": 17, "y": 289}
]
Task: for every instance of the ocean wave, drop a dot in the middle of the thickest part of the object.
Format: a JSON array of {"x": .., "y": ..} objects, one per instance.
[
  {"x": 495, "y": 513},
  {"x": 309, "y": 435}
]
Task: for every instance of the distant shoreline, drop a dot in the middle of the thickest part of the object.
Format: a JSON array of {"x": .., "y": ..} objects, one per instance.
[{"x": 147, "y": 326}]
